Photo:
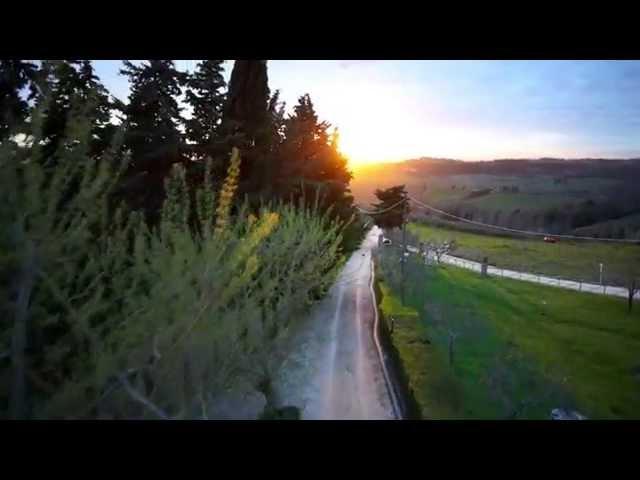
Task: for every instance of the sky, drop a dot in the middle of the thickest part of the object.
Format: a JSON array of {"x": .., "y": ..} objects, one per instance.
[{"x": 467, "y": 110}]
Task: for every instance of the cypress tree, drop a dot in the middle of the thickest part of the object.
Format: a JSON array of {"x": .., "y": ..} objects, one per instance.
[
  {"x": 245, "y": 112},
  {"x": 247, "y": 125}
]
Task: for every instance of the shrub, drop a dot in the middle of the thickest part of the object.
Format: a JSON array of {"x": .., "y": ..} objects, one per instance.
[{"x": 111, "y": 318}]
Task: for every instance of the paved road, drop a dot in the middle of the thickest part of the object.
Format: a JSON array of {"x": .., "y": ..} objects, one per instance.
[
  {"x": 535, "y": 278},
  {"x": 334, "y": 370}
]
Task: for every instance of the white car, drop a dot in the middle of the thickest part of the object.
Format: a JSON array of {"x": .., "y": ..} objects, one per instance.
[{"x": 386, "y": 241}]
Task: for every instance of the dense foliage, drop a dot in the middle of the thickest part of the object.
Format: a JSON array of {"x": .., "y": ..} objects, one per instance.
[
  {"x": 136, "y": 280},
  {"x": 393, "y": 207}
]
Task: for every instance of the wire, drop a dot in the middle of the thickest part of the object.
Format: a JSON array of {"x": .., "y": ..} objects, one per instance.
[
  {"x": 525, "y": 232},
  {"x": 362, "y": 210}
]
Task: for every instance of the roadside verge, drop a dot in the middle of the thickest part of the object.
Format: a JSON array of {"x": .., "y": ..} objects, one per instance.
[{"x": 398, "y": 380}]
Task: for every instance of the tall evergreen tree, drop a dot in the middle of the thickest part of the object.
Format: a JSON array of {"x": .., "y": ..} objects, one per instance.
[
  {"x": 311, "y": 163},
  {"x": 246, "y": 124},
  {"x": 15, "y": 77},
  {"x": 276, "y": 111},
  {"x": 68, "y": 83},
  {"x": 245, "y": 112},
  {"x": 153, "y": 136},
  {"x": 205, "y": 94}
]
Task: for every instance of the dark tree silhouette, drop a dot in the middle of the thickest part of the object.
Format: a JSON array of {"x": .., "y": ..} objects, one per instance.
[
  {"x": 246, "y": 124},
  {"x": 310, "y": 162},
  {"x": 153, "y": 137},
  {"x": 70, "y": 84},
  {"x": 15, "y": 77},
  {"x": 206, "y": 95},
  {"x": 391, "y": 197}
]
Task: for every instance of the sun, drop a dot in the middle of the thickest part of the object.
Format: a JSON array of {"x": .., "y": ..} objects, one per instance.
[
  {"x": 375, "y": 123},
  {"x": 360, "y": 143},
  {"x": 359, "y": 153},
  {"x": 363, "y": 143}
]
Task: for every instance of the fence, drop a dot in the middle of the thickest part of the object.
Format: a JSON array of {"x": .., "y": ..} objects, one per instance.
[
  {"x": 577, "y": 285},
  {"x": 538, "y": 278}
]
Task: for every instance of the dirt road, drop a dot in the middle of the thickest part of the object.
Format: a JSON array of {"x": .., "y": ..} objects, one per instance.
[{"x": 334, "y": 370}]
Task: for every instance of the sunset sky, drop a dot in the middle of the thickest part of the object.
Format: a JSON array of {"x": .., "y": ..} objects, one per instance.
[{"x": 468, "y": 110}]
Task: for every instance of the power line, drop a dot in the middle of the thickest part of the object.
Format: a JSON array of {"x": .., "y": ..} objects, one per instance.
[
  {"x": 525, "y": 232},
  {"x": 381, "y": 211}
]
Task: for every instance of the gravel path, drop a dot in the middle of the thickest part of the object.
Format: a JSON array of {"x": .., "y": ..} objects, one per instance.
[{"x": 333, "y": 370}]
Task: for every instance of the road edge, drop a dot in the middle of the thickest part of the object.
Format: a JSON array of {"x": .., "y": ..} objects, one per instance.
[{"x": 399, "y": 409}]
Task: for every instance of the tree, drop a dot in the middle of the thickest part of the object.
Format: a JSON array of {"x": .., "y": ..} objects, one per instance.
[
  {"x": 437, "y": 250},
  {"x": 15, "y": 77},
  {"x": 311, "y": 164},
  {"x": 246, "y": 123},
  {"x": 205, "y": 94},
  {"x": 153, "y": 136},
  {"x": 115, "y": 319},
  {"x": 245, "y": 111},
  {"x": 56, "y": 284},
  {"x": 63, "y": 84},
  {"x": 393, "y": 205},
  {"x": 277, "y": 113}
]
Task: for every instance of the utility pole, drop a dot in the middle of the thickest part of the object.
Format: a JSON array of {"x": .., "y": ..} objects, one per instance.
[
  {"x": 484, "y": 267},
  {"x": 404, "y": 243},
  {"x": 601, "y": 274}
]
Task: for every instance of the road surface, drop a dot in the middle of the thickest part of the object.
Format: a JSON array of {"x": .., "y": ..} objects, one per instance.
[{"x": 333, "y": 370}]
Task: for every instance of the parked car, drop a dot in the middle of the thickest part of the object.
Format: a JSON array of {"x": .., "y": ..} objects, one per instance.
[
  {"x": 550, "y": 240},
  {"x": 386, "y": 241}
]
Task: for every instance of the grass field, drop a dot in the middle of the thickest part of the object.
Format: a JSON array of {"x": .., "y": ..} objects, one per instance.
[
  {"x": 578, "y": 260},
  {"x": 521, "y": 349}
]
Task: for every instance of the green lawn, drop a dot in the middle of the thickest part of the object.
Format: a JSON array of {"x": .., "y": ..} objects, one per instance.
[
  {"x": 568, "y": 259},
  {"x": 522, "y": 343}
]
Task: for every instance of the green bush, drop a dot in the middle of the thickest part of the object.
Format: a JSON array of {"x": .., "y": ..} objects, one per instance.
[{"x": 109, "y": 318}]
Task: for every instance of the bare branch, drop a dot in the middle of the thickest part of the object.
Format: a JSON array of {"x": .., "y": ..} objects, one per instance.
[{"x": 137, "y": 396}]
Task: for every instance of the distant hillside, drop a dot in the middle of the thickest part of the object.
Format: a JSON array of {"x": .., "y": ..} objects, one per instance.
[
  {"x": 550, "y": 166},
  {"x": 624, "y": 227},
  {"x": 546, "y": 194}
]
